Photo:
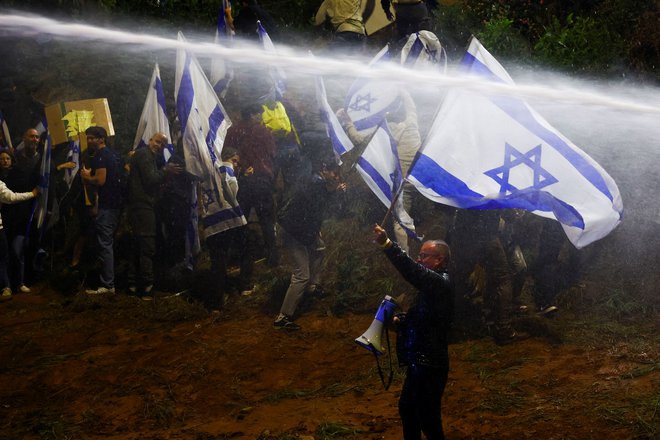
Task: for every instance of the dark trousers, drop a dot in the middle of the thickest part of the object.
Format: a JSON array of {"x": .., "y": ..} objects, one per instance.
[
  {"x": 219, "y": 246},
  {"x": 420, "y": 403},
  {"x": 143, "y": 247},
  {"x": 257, "y": 192}
]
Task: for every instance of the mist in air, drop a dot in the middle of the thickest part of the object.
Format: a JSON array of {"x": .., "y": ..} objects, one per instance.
[{"x": 616, "y": 122}]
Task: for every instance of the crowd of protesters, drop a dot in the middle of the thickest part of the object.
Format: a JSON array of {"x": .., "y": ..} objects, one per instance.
[{"x": 279, "y": 168}]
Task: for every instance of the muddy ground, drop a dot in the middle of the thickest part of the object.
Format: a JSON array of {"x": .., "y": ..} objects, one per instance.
[{"x": 119, "y": 367}]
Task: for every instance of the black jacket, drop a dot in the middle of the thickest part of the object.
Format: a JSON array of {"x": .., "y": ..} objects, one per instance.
[{"x": 422, "y": 333}]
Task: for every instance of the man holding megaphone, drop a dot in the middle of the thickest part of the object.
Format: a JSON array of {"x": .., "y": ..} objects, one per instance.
[{"x": 422, "y": 335}]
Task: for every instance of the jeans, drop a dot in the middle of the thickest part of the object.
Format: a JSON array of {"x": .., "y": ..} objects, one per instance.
[
  {"x": 17, "y": 261},
  {"x": 105, "y": 224}
]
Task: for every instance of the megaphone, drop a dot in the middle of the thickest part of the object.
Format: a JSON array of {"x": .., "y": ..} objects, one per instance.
[{"x": 372, "y": 338}]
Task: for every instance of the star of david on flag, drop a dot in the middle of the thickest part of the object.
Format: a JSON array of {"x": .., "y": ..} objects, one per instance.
[
  {"x": 494, "y": 152},
  {"x": 368, "y": 101},
  {"x": 513, "y": 159}
]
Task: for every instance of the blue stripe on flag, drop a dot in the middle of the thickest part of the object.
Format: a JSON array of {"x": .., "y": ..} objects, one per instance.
[
  {"x": 186, "y": 94},
  {"x": 215, "y": 120},
  {"x": 221, "y": 216},
  {"x": 160, "y": 95},
  {"x": 433, "y": 176},
  {"x": 384, "y": 186}
]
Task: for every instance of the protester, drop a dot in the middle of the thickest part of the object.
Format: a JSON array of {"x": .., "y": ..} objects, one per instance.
[
  {"x": 422, "y": 335},
  {"x": 483, "y": 239},
  {"x": 300, "y": 219},
  {"x": 104, "y": 174},
  {"x": 344, "y": 18},
  {"x": 7, "y": 196},
  {"x": 144, "y": 184},
  {"x": 256, "y": 147},
  {"x": 221, "y": 244},
  {"x": 404, "y": 127},
  {"x": 22, "y": 177},
  {"x": 411, "y": 16}
]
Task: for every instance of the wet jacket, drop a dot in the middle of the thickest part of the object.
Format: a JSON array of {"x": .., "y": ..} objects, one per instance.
[{"x": 422, "y": 332}]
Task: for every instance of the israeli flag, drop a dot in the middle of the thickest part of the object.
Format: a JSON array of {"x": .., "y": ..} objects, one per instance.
[
  {"x": 423, "y": 50},
  {"x": 154, "y": 116},
  {"x": 44, "y": 180},
  {"x": 204, "y": 125},
  {"x": 380, "y": 169},
  {"x": 491, "y": 152},
  {"x": 221, "y": 73},
  {"x": 341, "y": 144},
  {"x": 276, "y": 73},
  {"x": 72, "y": 156},
  {"x": 5, "y": 142},
  {"x": 368, "y": 101}
]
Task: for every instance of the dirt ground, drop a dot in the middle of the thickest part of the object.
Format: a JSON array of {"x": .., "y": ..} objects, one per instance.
[{"x": 122, "y": 368}]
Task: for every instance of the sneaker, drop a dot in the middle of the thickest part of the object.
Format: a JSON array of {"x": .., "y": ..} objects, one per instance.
[
  {"x": 24, "y": 289},
  {"x": 547, "y": 310},
  {"x": 132, "y": 290},
  {"x": 101, "y": 291},
  {"x": 284, "y": 322},
  {"x": 247, "y": 292},
  {"x": 521, "y": 310},
  {"x": 6, "y": 293}
]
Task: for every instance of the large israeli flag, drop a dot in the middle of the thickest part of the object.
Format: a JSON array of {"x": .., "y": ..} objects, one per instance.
[
  {"x": 487, "y": 152},
  {"x": 221, "y": 73},
  {"x": 154, "y": 116},
  {"x": 380, "y": 169},
  {"x": 341, "y": 144},
  {"x": 368, "y": 101},
  {"x": 204, "y": 125},
  {"x": 276, "y": 73}
]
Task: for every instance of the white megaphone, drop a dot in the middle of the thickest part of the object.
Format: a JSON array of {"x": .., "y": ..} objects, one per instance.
[{"x": 372, "y": 338}]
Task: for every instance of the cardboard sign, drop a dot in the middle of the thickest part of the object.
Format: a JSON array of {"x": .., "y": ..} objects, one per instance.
[{"x": 67, "y": 119}]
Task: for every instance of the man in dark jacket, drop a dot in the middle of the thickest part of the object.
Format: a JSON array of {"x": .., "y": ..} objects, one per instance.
[
  {"x": 422, "y": 335},
  {"x": 300, "y": 221},
  {"x": 144, "y": 184}
]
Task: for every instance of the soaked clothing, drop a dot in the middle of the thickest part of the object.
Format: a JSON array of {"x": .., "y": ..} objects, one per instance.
[{"x": 422, "y": 347}]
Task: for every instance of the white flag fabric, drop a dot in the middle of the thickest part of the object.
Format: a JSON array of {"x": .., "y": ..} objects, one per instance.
[
  {"x": 423, "y": 50},
  {"x": 380, "y": 169},
  {"x": 491, "y": 152},
  {"x": 5, "y": 142},
  {"x": 341, "y": 144},
  {"x": 204, "y": 125},
  {"x": 221, "y": 73},
  {"x": 154, "y": 116},
  {"x": 368, "y": 101},
  {"x": 276, "y": 73}
]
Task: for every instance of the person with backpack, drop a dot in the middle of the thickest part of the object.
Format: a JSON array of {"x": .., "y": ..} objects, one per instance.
[{"x": 105, "y": 174}]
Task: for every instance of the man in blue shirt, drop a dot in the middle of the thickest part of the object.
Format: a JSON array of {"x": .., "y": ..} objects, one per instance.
[{"x": 104, "y": 173}]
